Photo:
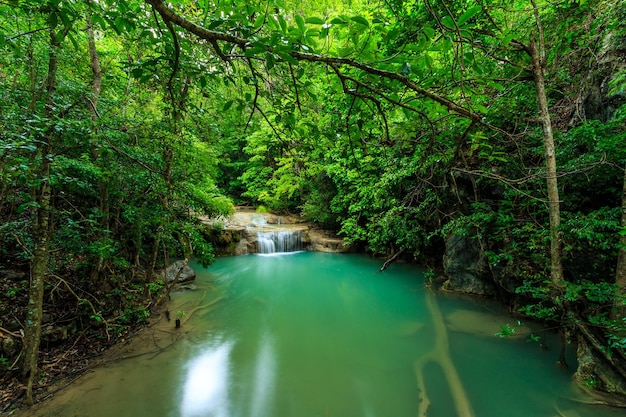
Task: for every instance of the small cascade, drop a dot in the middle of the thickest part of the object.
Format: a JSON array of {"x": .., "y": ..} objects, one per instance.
[{"x": 279, "y": 241}]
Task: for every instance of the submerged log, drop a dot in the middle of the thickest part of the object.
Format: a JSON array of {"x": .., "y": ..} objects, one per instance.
[{"x": 440, "y": 354}]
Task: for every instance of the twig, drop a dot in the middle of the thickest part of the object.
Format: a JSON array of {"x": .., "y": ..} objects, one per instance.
[{"x": 10, "y": 333}]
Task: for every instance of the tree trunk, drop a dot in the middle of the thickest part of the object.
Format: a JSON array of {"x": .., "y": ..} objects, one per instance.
[
  {"x": 537, "y": 52},
  {"x": 620, "y": 271},
  {"x": 41, "y": 236},
  {"x": 95, "y": 65},
  {"x": 96, "y": 70},
  {"x": 39, "y": 265}
]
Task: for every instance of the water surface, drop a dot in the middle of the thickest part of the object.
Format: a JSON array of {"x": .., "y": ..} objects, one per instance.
[{"x": 314, "y": 334}]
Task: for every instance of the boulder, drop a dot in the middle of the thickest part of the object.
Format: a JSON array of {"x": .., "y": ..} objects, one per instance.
[
  {"x": 187, "y": 275},
  {"x": 466, "y": 266}
]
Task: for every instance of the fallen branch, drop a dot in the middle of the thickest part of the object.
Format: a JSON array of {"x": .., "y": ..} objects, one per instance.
[{"x": 390, "y": 260}]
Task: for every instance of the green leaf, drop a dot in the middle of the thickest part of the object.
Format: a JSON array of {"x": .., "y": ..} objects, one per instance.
[
  {"x": 338, "y": 21},
  {"x": 270, "y": 60},
  {"x": 283, "y": 24},
  {"x": 300, "y": 23},
  {"x": 495, "y": 86},
  {"x": 448, "y": 22},
  {"x": 481, "y": 108},
  {"x": 315, "y": 21},
  {"x": 428, "y": 60},
  {"x": 73, "y": 40},
  {"x": 285, "y": 55},
  {"x": 360, "y": 20},
  {"x": 346, "y": 51},
  {"x": 259, "y": 21},
  {"x": 469, "y": 13},
  {"x": 227, "y": 105},
  {"x": 254, "y": 51}
]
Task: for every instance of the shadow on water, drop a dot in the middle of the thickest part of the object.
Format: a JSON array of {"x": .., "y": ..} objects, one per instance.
[{"x": 314, "y": 334}]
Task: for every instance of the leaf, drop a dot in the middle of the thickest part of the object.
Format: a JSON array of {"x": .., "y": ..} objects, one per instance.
[
  {"x": 343, "y": 52},
  {"x": 495, "y": 86},
  {"x": 255, "y": 51},
  {"x": 469, "y": 13},
  {"x": 270, "y": 61},
  {"x": 65, "y": 20},
  {"x": 338, "y": 21},
  {"x": 97, "y": 19},
  {"x": 259, "y": 21},
  {"x": 428, "y": 60},
  {"x": 227, "y": 105},
  {"x": 73, "y": 40},
  {"x": 448, "y": 22},
  {"x": 283, "y": 24},
  {"x": 315, "y": 21},
  {"x": 360, "y": 20},
  {"x": 136, "y": 72},
  {"x": 300, "y": 23},
  {"x": 285, "y": 55},
  {"x": 481, "y": 108}
]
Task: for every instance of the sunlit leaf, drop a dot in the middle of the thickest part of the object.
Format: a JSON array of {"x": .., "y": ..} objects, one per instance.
[
  {"x": 315, "y": 21},
  {"x": 469, "y": 13},
  {"x": 360, "y": 20}
]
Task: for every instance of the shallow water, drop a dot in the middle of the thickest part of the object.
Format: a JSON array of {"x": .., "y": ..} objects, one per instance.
[{"x": 314, "y": 334}]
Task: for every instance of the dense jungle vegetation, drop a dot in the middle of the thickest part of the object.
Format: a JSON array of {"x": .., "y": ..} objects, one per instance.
[{"x": 399, "y": 124}]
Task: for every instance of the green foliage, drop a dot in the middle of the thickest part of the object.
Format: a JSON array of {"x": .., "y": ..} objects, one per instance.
[
  {"x": 436, "y": 138},
  {"x": 134, "y": 315},
  {"x": 506, "y": 331}
]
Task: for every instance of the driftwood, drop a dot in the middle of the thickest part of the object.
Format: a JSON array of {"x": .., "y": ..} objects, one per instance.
[{"x": 390, "y": 260}]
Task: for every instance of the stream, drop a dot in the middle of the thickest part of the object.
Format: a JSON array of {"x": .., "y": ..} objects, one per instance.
[{"x": 328, "y": 335}]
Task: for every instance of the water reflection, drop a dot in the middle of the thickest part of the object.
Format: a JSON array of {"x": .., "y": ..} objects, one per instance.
[
  {"x": 211, "y": 389},
  {"x": 264, "y": 376},
  {"x": 205, "y": 390}
]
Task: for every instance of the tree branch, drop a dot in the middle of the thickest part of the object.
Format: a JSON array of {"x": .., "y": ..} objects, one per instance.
[{"x": 211, "y": 36}]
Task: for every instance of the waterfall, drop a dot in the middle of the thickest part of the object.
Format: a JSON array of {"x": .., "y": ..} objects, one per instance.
[{"x": 279, "y": 241}]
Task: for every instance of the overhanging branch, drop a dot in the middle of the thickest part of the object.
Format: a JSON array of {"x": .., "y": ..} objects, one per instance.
[{"x": 213, "y": 36}]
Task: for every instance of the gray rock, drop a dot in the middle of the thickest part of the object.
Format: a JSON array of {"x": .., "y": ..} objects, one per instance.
[
  {"x": 466, "y": 267},
  {"x": 187, "y": 275}
]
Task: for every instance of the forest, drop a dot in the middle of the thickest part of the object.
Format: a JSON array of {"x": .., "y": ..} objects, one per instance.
[{"x": 404, "y": 126}]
